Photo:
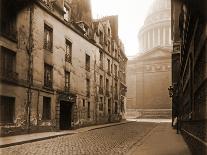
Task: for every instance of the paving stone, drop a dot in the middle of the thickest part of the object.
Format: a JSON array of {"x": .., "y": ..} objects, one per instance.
[{"x": 110, "y": 141}]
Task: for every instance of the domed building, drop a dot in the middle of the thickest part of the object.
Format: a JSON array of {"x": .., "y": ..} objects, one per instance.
[
  {"x": 149, "y": 73},
  {"x": 156, "y": 30}
]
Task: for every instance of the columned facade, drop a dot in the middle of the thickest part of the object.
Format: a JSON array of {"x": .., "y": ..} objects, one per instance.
[{"x": 149, "y": 73}]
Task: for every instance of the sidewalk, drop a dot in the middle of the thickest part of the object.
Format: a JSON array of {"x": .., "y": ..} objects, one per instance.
[
  {"x": 162, "y": 140},
  {"x": 27, "y": 138}
]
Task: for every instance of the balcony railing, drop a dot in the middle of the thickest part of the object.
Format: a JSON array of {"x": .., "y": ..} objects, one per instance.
[
  {"x": 48, "y": 84},
  {"x": 8, "y": 30},
  {"x": 88, "y": 67},
  {"x": 101, "y": 65},
  {"x": 68, "y": 58},
  {"x": 107, "y": 93},
  {"x": 9, "y": 76}
]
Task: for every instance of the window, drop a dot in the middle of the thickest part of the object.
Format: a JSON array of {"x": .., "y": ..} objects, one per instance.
[
  {"x": 7, "y": 63},
  {"x": 116, "y": 108},
  {"x": 46, "y": 113},
  {"x": 88, "y": 87},
  {"x": 7, "y": 105},
  {"x": 48, "y": 37},
  {"x": 101, "y": 81},
  {"x": 67, "y": 81},
  {"x": 101, "y": 84},
  {"x": 68, "y": 51},
  {"x": 107, "y": 84},
  {"x": 109, "y": 46},
  {"x": 109, "y": 31},
  {"x": 116, "y": 91},
  {"x": 8, "y": 17},
  {"x": 87, "y": 62},
  {"x": 101, "y": 104},
  {"x": 116, "y": 53},
  {"x": 88, "y": 111},
  {"x": 109, "y": 106},
  {"x": 67, "y": 13},
  {"x": 101, "y": 39},
  {"x": 108, "y": 64},
  {"x": 115, "y": 70},
  {"x": 48, "y": 76},
  {"x": 101, "y": 59},
  {"x": 84, "y": 103}
]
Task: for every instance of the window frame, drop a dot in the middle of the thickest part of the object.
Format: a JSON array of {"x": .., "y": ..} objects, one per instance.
[
  {"x": 11, "y": 104},
  {"x": 48, "y": 83},
  {"x": 87, "y": 62},
  {"x": 68, "y": 51},
  {"x": 46, "y": 111},
  {"x": 48, "y": 45}
]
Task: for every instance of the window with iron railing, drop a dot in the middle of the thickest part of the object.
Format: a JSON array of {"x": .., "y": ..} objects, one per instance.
[
  {"x": 68, "y": 51},
  {"x": 87, "y": 61},
  {"x": 48, "y": 38},
  {"x": 48, "y": 76}
]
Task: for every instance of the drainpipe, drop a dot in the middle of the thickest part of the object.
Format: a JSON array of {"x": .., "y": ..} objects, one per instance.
[{"x": 30, "y": 69}]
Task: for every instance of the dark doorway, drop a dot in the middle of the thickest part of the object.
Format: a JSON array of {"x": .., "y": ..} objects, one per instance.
[{"x": 65, "y": 115}]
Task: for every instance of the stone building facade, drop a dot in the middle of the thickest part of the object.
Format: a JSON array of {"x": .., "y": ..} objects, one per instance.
[
  {"x": 189, "y": 27},
  {"x": 149, "y": 73},
  {"x": 54, "y": 67}
]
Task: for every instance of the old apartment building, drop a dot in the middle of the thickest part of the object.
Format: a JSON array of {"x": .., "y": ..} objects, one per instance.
[
  {"x": 60, "y": 69},
  {"x": 189, "y": 62}
]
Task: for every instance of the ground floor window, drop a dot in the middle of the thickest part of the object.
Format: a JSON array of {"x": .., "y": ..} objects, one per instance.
[
  {"x": 88, "y": 110},
  {"x": 7, "y": 109},
  {"x": 116, "y": 108},
  {"x": 46, "y": 114},
  {"x": 101, "y": 104}
]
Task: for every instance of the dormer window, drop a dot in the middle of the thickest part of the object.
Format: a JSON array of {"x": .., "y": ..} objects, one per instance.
[
  {"x": 109, "y": 31},
  {"x": 67, "y": 13}
]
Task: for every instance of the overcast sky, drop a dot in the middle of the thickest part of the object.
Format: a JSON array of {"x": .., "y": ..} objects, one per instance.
[{"x": 131, "y": 17}]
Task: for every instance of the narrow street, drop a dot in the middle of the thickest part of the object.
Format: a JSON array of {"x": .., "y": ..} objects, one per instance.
[{"x": 129, "y": 138}]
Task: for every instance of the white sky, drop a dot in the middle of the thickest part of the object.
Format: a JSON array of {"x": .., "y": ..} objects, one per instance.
[{"x": 131, "y": 18}]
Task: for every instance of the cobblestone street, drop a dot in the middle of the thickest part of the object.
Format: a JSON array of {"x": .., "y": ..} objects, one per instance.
[{"x": 111, "y": 140}]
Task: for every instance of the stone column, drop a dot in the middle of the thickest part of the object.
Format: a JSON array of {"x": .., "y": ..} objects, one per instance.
[
  {"x": 169, "y": 35},
  {"x": 148, "y": 40},
  {"x": 164, "y": 36},
  {"x": 158, "y": 36},
  {"x": 153, "y": 38}
]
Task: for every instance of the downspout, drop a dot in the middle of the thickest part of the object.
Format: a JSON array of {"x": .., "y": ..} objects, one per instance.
[{"x": 30, "y": 69}]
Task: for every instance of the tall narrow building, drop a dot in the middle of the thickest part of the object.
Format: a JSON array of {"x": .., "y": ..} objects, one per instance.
[{"x": 149, "y": 73}]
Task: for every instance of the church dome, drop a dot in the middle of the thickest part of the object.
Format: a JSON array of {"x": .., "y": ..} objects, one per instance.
[{"x": 156, "y": 30}]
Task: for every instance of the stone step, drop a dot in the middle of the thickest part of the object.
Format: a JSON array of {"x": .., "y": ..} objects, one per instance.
[{"x": 149, "y": 113}]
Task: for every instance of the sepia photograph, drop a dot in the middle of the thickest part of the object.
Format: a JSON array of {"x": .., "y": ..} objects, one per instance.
[{"x": 103, "y": 77}]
